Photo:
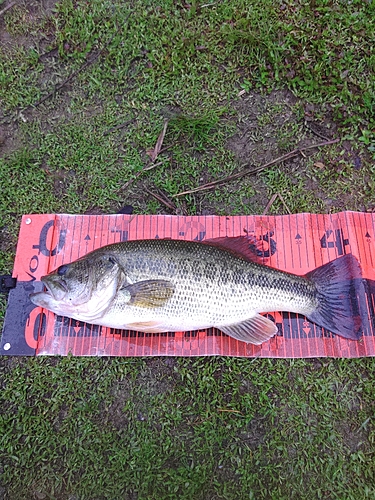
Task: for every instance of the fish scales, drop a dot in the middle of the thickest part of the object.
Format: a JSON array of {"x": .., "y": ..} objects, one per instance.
[
  {"x": 232, "y": 287},
  {"x": 173, "y": 285}
]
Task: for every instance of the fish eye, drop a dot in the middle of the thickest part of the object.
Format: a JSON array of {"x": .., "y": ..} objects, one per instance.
[
  {"x": 110, "y": 262},
  {"x": 61, "y": 271}
]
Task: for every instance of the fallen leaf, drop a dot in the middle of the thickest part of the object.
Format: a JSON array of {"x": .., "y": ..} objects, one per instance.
[
  {"x": 319, "y": 165},
  {"x": 153, "y": 153}
]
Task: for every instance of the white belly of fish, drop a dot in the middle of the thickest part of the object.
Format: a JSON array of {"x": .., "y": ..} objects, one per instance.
[{"x": 194, "y": 308}]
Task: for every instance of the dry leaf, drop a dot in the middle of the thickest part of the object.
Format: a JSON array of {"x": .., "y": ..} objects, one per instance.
[
  {"x": 319, "y": 165},
  {"x": 153, "y": 153}
]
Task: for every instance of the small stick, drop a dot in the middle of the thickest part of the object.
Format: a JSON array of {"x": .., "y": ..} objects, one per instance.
[
  {"x": 162, "y": 200},
  {"x": 316, "y": 132},
  {"x": 117, "y": 127},
  {"x": 229, "y": 411},
  {"x": 255, "y": 170},
  {"x": 213, "y": 184},
  {"x": 138, "y": 174},
  {"x": 7, "y": 8},
  {"x": 327, "y": 143},
  {"x": 284, "y": 203},
  {"x": 166, "y": 148},
  {"x": 70, "y": 77},
  {"x": 269, "y": 204},
  {"x": 272, "y": 200},
  {"x": 75, "y": 73}
]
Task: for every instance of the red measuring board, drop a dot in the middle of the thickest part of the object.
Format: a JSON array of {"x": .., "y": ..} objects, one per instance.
[{"x": 295, "y": 243}]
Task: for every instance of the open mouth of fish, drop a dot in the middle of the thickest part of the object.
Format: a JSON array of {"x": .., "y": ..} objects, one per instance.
[{"x": 56, "y": 290}]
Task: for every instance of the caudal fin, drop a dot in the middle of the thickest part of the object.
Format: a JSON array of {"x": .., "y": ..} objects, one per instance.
[{"x": 339, "y": 284}]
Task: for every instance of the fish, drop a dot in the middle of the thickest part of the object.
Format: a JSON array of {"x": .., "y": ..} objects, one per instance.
[{"x": 167, "y": 285}]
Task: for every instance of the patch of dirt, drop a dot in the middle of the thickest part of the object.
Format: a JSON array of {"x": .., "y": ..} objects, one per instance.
[
  {"x": 158, "y": 377},
  {"x": 267, "y": 127},
  {"x": 354, "y": 439},
  {"x": 259, "y": 120},
  {"x": 9, "y": 138},
  {"x": 27, "y": 25},
  {"x": 256, "y": 431},
  {"x": 31, "y": 15},
  {"x": 270, "y": 126}
]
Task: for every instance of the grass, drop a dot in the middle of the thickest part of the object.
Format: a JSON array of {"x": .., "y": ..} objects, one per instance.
[
  {"x": 203, "y": 428},
  {"x": 159, "y": 428}
]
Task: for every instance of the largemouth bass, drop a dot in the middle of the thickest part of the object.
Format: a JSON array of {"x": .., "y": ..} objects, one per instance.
[{"x": 172, "y": 285}]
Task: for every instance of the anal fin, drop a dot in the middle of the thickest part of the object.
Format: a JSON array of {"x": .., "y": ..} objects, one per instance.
[
  {"x": 146, "y": 327},
  {"x": 255, "y": 330}
]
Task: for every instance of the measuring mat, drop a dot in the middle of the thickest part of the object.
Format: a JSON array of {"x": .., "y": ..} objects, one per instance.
[{"x": 294, "y": 243}]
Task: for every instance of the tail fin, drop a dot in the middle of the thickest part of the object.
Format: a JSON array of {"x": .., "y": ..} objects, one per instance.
[{"x": 339, "y": 284}]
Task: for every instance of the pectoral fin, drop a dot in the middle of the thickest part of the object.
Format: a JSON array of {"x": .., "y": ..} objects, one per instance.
[
  {"x": 255, "y": 330},
  {"x": 150, "y": 293}
]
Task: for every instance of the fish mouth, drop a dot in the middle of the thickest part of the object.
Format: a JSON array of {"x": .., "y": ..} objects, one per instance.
[{"x": 56, "y": 289}]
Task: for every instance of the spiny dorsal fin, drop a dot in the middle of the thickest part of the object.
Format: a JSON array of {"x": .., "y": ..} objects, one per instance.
[
  {"x": 240, "y": 246},
  {"x": 255, "y": 330},
  {"x": 150, "y": 293}
]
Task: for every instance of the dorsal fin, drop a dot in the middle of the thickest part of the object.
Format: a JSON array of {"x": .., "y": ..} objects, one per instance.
[{"x": 243, "y": 247}]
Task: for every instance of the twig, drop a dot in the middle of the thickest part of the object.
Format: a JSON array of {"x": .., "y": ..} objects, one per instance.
[
  {"x": 269, "y": 204},
  {"x": 162, "y": 200},
  {"x": 166, "y": 148},
  {"x": 75, "y": 73},
  {"x": 255, "y": 170},
  {"x": 321, "y": 144},
  {"x": 138, "y": 174},
  {"x": 229, "y": 410},
  {"x": 272, "y": 200},
  {"x": 284, "y": 203},
  {"x": 213, "y": 184},
  {"x": 316, "y": 132},
  {"x": 150, "y": 167},
  {"x": 117, "y": 127},
  {"x": 70, "y": 77},
  {"x": 7, "y": 8}
]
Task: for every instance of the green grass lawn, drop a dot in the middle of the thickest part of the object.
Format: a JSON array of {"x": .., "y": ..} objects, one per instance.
[{"x": 241, "y": 83}]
